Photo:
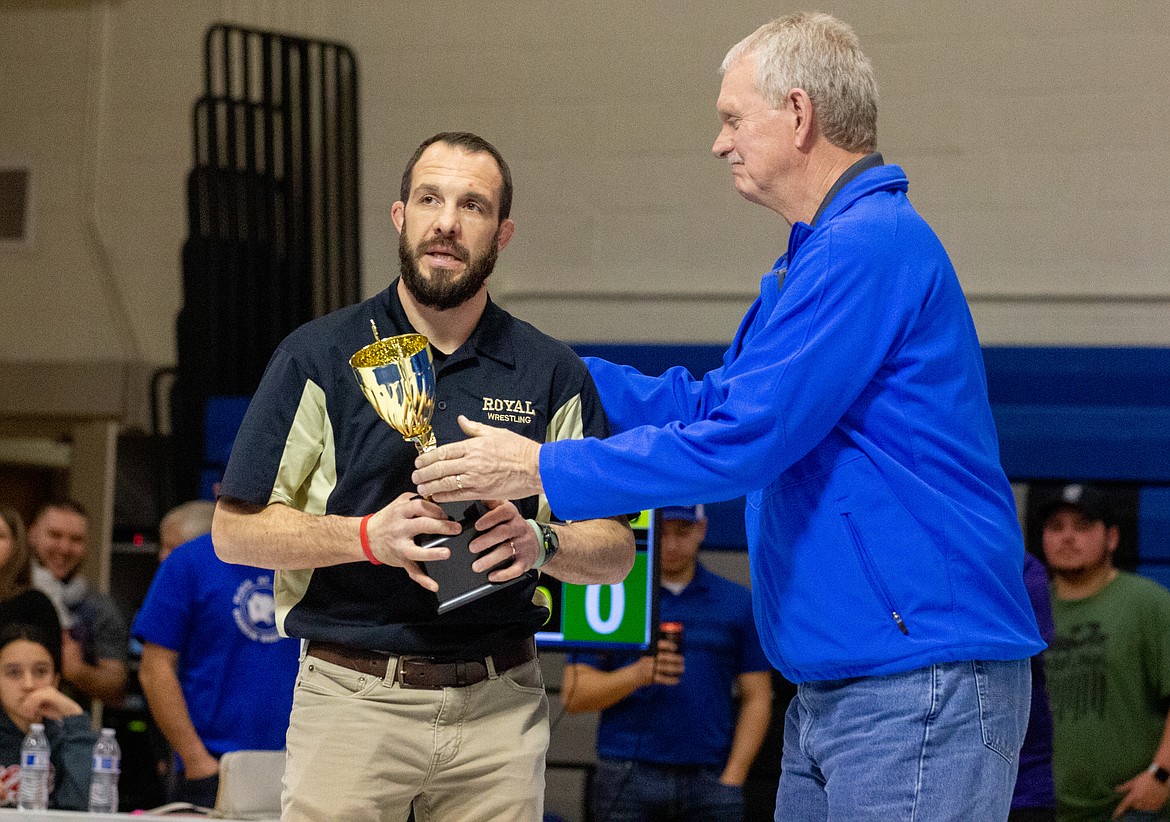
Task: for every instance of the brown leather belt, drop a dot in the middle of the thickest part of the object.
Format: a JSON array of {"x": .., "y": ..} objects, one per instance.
[{"x": 423, "y": 672}]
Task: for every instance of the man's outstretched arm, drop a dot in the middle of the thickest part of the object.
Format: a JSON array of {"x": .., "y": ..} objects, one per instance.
[{"x": 279, "y": 537}]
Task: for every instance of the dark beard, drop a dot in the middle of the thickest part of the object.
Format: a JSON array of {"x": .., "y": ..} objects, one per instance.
[{"x": 441, "y": 292}]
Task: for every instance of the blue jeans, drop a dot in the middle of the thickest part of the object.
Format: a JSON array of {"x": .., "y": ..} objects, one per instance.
[
  {"x": 627, "y": 791},
  {"x": 933, "y": 744}
]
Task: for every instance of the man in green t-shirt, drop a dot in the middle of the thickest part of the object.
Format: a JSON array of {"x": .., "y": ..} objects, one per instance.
[{"x": 1108, "y": 670}]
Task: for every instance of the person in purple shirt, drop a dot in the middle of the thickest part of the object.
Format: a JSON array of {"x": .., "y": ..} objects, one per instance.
[{"x": 1034, "y": 799}]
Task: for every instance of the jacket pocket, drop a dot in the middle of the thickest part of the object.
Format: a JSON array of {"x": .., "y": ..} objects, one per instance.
[{"x": 869, "y": 568}]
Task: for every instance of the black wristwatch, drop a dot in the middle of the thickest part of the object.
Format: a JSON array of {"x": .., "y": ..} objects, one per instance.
[
  {"x": 552, "y": 543},
  {"x": 1159, "y": 773}
]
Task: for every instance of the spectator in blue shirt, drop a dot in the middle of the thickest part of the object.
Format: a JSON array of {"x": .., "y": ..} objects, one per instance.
[
  {"x": 216, "y": 674},
  {"x": 669, "y": 742}
]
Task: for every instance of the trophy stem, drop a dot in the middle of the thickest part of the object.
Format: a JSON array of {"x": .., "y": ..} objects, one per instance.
[{"x": 425, "y": 442}]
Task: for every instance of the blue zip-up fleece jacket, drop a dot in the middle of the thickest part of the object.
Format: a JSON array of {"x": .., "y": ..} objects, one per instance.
[{"x": 851, "y": 409}]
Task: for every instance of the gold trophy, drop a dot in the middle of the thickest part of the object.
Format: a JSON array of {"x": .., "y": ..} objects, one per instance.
[{"x": 397, "y": 376}]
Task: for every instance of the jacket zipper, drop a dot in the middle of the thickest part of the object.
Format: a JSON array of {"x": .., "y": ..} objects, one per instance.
[{"x": 875, "y": 579}]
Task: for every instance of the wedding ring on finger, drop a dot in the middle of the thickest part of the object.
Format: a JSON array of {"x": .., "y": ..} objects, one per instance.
[
  {"x": 513, "y": 546},
  {"x": 459, "y": 482}
]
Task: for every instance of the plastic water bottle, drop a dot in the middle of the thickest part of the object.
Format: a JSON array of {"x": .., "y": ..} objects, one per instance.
[
  {"x": 35, "y": 768},
  {"x": 103, "y": 780}
]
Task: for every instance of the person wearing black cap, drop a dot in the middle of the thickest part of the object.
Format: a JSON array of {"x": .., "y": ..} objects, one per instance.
[
  {"x": 1109, "y": 668},
  {"x": 670, "y": 742}
]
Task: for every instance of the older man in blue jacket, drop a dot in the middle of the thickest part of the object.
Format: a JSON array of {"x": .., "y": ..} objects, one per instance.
[{"x": 851, "y": 409}]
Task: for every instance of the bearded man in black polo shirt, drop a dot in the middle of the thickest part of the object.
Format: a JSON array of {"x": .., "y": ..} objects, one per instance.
[{"x": 396, "y": 705}]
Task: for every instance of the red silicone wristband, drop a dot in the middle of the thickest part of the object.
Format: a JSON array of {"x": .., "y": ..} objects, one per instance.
[{"x": 365, "y": 537}]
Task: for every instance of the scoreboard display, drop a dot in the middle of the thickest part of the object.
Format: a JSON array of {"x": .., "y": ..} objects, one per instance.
[{"x": 623, "y": 616}]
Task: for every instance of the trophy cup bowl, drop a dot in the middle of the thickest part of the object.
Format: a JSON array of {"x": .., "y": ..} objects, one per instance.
[{"x": 397, "y": 376}]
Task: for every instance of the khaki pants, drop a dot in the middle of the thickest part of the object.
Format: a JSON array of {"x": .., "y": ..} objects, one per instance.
[{"x": 364, "y": 748}]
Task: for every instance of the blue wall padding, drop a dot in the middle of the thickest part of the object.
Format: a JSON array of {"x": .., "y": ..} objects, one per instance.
[
  {"x": 1069, "y": 412},
  {"x": 209, "y": 480},
  {"x": 1158, "y": 573},
  {"x": 1099, "y": 413},
  {"x": 221, "y": 420},
  {"x": 1118, "y": 377},
  {"x": 1083, "y": 413},
  {"x": 1154, "y": 524},
  {"x": 1121, "y": 443}
]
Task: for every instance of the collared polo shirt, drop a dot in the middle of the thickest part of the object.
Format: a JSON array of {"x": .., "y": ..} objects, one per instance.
[{"x": 311, "y": 441}]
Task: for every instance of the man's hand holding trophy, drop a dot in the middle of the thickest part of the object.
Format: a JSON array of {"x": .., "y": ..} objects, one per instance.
[{"x": 397, "y": 377}]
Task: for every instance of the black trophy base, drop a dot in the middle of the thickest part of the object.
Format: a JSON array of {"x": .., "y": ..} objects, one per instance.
[{"x": 458, "y": 584}]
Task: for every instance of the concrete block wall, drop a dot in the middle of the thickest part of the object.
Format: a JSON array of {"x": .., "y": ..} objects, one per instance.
[{"x": 1035, "y": 137}]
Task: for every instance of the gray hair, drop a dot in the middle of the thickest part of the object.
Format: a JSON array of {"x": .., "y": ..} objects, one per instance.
[
  {"x": 191, "y": 519},
  {"x": 822, "y": 55}
]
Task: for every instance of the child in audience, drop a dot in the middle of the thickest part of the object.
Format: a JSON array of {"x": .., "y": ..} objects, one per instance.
[{"x": 29, "y": 693}]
